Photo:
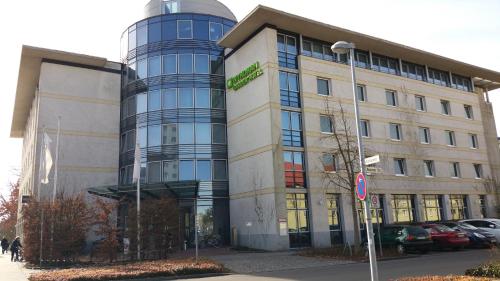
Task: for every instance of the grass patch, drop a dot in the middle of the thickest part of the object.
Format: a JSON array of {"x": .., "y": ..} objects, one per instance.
[
  {"x": 144, "y": 269},
  {"x": 445, "y": 278}
]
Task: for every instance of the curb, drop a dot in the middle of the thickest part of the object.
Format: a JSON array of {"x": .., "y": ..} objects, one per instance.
[{"x": 178, "y": 277}]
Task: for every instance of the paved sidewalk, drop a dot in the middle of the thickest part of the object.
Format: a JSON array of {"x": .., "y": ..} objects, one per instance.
[{"x": 12, "y": 271}]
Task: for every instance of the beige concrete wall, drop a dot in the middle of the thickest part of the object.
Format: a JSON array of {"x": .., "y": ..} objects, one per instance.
[{"x": 256, "y": 179}]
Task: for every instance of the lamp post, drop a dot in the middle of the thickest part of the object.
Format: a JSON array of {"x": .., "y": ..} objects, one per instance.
[{"x": 343, "y": 47}]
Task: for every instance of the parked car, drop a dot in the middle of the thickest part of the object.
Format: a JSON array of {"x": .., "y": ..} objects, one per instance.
[
  {"x": 490, "y": 225},
  {"x": 404, "y": 238},
  {"x": 478, "y": 238},
  {"x": 445, "y": 237}
]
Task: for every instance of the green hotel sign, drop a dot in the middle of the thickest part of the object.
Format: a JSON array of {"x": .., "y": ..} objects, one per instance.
[{"x": 245, "y": 77}]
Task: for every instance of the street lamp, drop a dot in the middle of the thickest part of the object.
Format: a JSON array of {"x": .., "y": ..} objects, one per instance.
[{"x": 342, "y": 47}]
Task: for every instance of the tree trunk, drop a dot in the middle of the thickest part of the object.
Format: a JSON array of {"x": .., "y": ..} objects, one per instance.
[{"x": 357, "y": 237}]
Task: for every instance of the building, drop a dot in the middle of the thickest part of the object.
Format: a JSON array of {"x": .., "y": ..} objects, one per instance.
[{"x": 240, "y": 109}]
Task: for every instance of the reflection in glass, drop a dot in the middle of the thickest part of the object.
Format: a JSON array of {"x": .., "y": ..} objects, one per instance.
[
  {"x": 154, "y": 32},
  {"x": 219, "y": 133},
  {"x": 143, "y": 137},
  {"x": 142, "y": 35},
  {"x": 142, "y": 69},
  {"x": 142, "y": 103},
  {"x": 220, "y": 170},
  {"x": 203, "y": 133},
  {"x": 170, "y": 134},
  {"x": 186, "y": 98},
  {"x": 186, "y": 170},
  {"x": 202, "y": 98},
  {"x": 132, "y": 39},
  {"x": 154, "y": 136},
  {"x": 154, "y": 66},
  {"x": 204, "y": 170},
  {"x": 184, "y": 29},
  {"x": 170, "y": 64},
  {"x": 186, "y": 133},
  {"x": 185, "y": 63},
  {"x": 169, "y": 98},
  {"x": 201, "y": 64},
  {"x": 170, "y": 171},
  {"x": 154, "y": 172},
  {"x": 216, "y": 65},
  {"x": 154, "y": 100},
  {"x": 215, "y": 31},
  {"x": 218, "y": 101}
]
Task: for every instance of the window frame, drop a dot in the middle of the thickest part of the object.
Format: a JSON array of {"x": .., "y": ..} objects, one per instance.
[
  {"x": 328, "y": 87},
  {"x": 392, "y": 96},
  {"x": 331, "y": 125},
  {"x": 473, "y": 141},
  {"x": 445, "y": 107},
  {"x": 431, "y": 169},
  {"x": 333, "y": 164},
  {"x": 469, "y": 112},
  {"x": 364, "y": 94},
  {"x": 210, "y": 33},
  {"x": 178, "y": 26},
  {"x": 478, "y": 173},
  {"x": 427, "y": 135},
  {"x": 397, "y": 167},
  {"x": 399, "y": 131},
  {"x": 424, "y": 103},
  {"x": 451, "y": 140},
  {"x": 455, "y": 170},
  {"x": 365, "y": 125}
]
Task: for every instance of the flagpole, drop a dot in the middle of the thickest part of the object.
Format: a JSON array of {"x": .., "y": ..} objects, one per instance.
[
  {"x": 54, "y": 194},
  {"x": 42, "y": 146},
  {"x": 139, "y": 218}
]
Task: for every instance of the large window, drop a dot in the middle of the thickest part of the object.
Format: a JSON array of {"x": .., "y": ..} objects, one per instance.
[
  {"x": 385, "y": 64},
  {"x": 142, "y": 34},
  {"x": 170, "y": 171},
  {"x": 458, "y": 205},
  {"x": 424, "y": 135},
  {"x": 413, "y": 71},
  {"x": 334, "y": 218},
  {"x": 395, "y": 131},
  {"x": 169, "y": 98},
  {"x": 294, "y": 169},
  {"x": 317, "y": 50},
  {"x": 154, "y": 67},
  {"x": 204, "y": 170},
  {"x": 171, "y": 7},
  {"x": 291, "y": 125},
  {"x": 461, "y": 83},
  {"x": 141, "y": 103},
  {"x": 201, "y": 65},
  {"x": 287, "y": 51},
  {"x": 154, "y": 136},
  {"x": 170, "y": 64},
  {"x": 403, "y": 208},
  {"x": 298, "y": 220},
  {"x": 218, "y": 99},
  {"x": 185, "y": 63},
  {"x": 217, "y": 65},
  {"x": 439, "y": 77},
  {"x": 220, "y": 170},
  {"x": 362, "y": 59},
  {"x": 170, "y": 136},
  {"x": 186, "y": 170},
  {"x": 186, "y": 98},
  {"x": 433, "y": 207},
  {"x": 203, "y": 133},
  {"x": 215, "y": 31},
  {"x": 219, "y": 134},
  {"x": 202, "y": 98},
  {"x": 184, "y": 29},
  {"x": 186, "y": 133},
  {"x": 143, "y": 137},
  {"x": 289, "y": 89},
  {"x": 323, "y": 86},
  {"x": 142, "y": 69},
  {"x": 154, "y": 172},
  {"x": 154, "y": 100}
]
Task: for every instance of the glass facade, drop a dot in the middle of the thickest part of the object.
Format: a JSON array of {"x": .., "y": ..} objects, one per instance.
[{"x": 173, "y": 95}]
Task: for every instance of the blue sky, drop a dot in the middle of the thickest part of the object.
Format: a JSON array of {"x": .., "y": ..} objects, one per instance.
[{"x": 466, "y": 30}]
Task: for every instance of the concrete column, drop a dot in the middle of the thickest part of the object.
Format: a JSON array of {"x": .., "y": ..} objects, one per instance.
[
  {"x": 446, "y": 207},
  {"x": 419, "y": 208},
  {"x": 347, "y": 219},
  {"x": 472, "y": 206},
  {"x": 320, "y": 231},
  {"x": 491, "y": 206},
  {"x": 389, "y": 217}
]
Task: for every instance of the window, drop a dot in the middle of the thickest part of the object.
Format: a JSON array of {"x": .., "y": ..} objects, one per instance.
[
  {"x": 154, "y": 100},
  {"x": 142, "y": 69},
  {"x": 391, "y": 98},
  {"x": 287, "y": 51},
  {"x": 154, "y": 172},
  {"x": 399, "y": 166},
  {"x": 184, "y": 29},
  {"x": 218, "y": 101},
  {"x": 469, "y": 114},
  {"x": 215, "y": 31},
  {"x": 203, "y": 133},
  {"x": 329, "y": 162},
  {"x": 458, "y": 207},
  {"x": 143, "y": 137},
  {"x": 294, "y": 169},
  {"x": 429, "y": 168},
  {"x": 478, "y": 171},
  {"x": 455, "y": 169},
  {"x": 298, "y": 220},
  {"x": 450, "y": 138},
  {"x": 220, "y": 170},
  {"x": 289, "y": 89},
  {"x": 395, "y": 131},
  {"x": 219, "y": 134},
  {"x": 169, "y": 98},
  {"x": 154, "y": 32},
  {"x": 334, "y": 218},
  {"x": 307, "y": 48},
  {"x": 185, "y": 63},
  {"x": 186, "y": 170},
  {"x": 132, "y": 39},
  {"x": 204, "y": 170},
  {"x": 154, "y": 66},
  {"x": 170, "y": 171},
  {"x": 154, "y": 136},
  {"x": 439, "y": 77},
  {"x": 432, "y": 207},
  {"x": 425, "y": 135},
  {"x": 317, "y": 50},
  {"x": 361, "y": 93},
  {"x": 362, "y": 59},
  {"x": 461, "y": 83},
  {"x": 141, "y": 103},
  {"x": 202, "y": 98},
  {"x": 420, "y": 103},
  {"x": 186, "y": 98},
  {"x": 326, "y": 124},
  {"x": 291, "y": 128},
  {"x": 413, "y": 71},
  {"x": 377, "y": 215},
  {"x": 186, "y": 133},
  {"x": 403, "y": 209},
  {"x": 323, "y": 87},
  {"x": 445, "y": 107},
  {"x": 170, "y": 64},
  {"x": 171, "y": 7},
  {"x": 385, "y": 64},
  {"x": 201, "y": 64},
  {"x": 365, "y": 128},
  {"x": 473, "y": 141},
  {"x": 142, "y": 34},
  {"x": 217, "y": 65},
  {"x": 482, "y": 206},
  {"x": 170, "y": 134},
  {"x": 130, "y": 136}
]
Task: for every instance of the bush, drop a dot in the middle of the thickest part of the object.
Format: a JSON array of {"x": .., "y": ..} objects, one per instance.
[
  {"x": 485, "y": 270},
  {"x": 131, "y": 271}
]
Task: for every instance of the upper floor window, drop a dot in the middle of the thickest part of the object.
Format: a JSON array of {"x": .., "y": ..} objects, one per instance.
[
  {"x": 171, "y": 7},
  {"x": 429, "y": 168},
  {"x": 439, "y": 77},
  {"x": 294, "y": 169},
  {"x": 478, "y": 171},
  {"x": 469, "y": 114},
  {"x": 455, "y": 169},
  {"x": 185, "y": 63},
  {"x": 154, "y": 66},
  {"x": 217, "y": 65},
  {"x": 365, "y": 128},
  {"x": 400, "y": 166},
  {"x": 184, "y": 29},
  {"x": 395, "y": 131},
  {"x": 473, "y": 141},
  {"x": 317, "y": 50},
  {"x": 450, "y": 138},
  {"x": 361, "y": 93},
  {"x": 201, "y": 65},
  {"x": 326, "y": 124},
  {"x": 170, "y": 64},
  {"x": 362, "y": 59},
  {"x": 420, "y": 103},
  {"x": 385, "y": 64},
  {"x": 461, "y": 83},
  {"x": 391, "y": 98},
  {"x": 289, "y": 89},
  {"x": 445, "y": 107},
  {"x": 413, "y": 71},
  {"x": 425, "y": 135},
  {"x": 287, "y": 51},
  {"x": 291, "y": 125},
  {"x": 329, "y": 162},
  {"x": 216, "y": 31},
  {"x": 323, "y": 86}
]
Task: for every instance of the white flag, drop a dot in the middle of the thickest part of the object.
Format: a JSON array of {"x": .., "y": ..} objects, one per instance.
[
  {"x": 137, "y": 159},
  {"x": 46, "y": 159}
]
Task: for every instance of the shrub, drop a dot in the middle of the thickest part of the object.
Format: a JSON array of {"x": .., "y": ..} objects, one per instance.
[{"x": 485, "y": 270}]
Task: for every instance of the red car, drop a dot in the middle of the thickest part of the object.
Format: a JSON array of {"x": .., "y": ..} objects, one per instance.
[{"x": 445, "y": 237}]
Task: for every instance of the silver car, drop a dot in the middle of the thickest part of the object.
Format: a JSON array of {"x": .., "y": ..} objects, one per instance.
[{"x": 490, "y": 225}]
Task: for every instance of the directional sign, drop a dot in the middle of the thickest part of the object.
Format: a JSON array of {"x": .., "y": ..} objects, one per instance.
[
  {"x": 372, "y": 160},
  {"x": 361, "y": 186}
]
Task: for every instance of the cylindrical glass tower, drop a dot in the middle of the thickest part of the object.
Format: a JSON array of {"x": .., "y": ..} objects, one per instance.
[{"x": 173, "y": 98}]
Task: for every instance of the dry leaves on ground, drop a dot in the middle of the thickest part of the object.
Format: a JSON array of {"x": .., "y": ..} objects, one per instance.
[{"x": 445, "y": 278}]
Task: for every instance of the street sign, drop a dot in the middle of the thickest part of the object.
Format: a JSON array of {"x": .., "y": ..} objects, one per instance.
[
  {"x": 372, "y": 170},
  {"x": 361, "y": 186},
  {"x": 375, "y": 202},
  {"x": 372, "y": 160}
]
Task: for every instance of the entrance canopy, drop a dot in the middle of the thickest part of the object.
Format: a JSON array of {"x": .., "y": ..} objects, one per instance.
[{"x": 182, "y": 190}]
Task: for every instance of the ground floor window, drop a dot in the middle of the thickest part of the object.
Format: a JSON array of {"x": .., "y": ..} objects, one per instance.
[
  {"x": 403, "y": 208},
  {"x": 482, "y": 206},
  {"x": 458, "y": 204},
  {"x": 334, "y": 218},
  {"x": 433, "y": 207},
  {"x": 298, "y": 220},
  {"x": 377, "y": 215}
]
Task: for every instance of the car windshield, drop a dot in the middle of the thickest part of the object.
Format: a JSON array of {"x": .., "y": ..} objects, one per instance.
[
  {"x": 442, "y": 228},
  {"x": 467, "y": 226},
  {"x": 416, "y": 230}
]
